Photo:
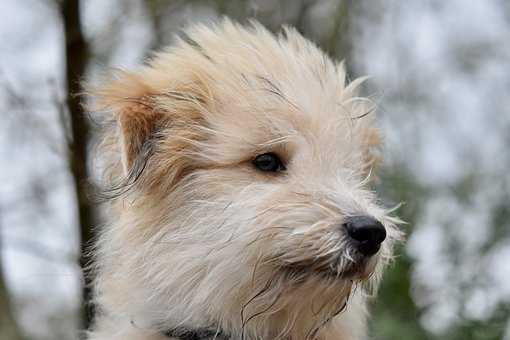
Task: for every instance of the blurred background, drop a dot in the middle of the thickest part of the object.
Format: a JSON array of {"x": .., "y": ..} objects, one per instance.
[{"x": 440, "y": 75}]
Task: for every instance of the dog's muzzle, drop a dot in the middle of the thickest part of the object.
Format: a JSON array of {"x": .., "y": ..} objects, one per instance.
[{"x": 366, "y": 234}]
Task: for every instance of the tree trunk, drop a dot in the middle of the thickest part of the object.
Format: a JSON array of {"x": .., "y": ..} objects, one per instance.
[{"x": 77, "y": 56}]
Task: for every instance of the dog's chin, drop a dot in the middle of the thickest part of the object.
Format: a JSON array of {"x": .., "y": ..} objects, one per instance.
[{"x": 361, "y": 269}]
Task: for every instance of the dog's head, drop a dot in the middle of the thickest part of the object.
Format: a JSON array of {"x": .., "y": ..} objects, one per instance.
[{"x": 240, "y": 163}]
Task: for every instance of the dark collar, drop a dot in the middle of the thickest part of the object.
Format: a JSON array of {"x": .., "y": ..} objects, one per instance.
[{"x": 185, "y": 333}]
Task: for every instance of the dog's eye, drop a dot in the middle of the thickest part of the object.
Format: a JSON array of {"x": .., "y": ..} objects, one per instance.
[{"x": 268, "y": 162}]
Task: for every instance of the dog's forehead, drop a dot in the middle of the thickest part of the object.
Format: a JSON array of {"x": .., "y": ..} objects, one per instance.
[
  {"x": 254, "y": 90},
  {"x": 298, "y": 122},
  {"x": 271, "y": 106},
  {"x": 274, "y": 86}
]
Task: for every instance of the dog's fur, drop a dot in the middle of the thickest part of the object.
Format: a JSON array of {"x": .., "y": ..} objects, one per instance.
[{"x": 197, "y": 236}]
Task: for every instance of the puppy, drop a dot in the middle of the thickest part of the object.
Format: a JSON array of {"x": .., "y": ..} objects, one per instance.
[{"x": 238, "y": 166}]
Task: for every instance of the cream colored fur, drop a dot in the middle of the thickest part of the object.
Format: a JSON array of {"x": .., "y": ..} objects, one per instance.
[{"x": 196, "y": 235}]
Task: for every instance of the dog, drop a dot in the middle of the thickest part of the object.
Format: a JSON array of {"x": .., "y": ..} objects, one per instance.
[{"x": 238, "y": 166}]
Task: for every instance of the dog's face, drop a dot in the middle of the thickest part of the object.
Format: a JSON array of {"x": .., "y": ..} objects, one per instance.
[{"x": 246, "y": 161}]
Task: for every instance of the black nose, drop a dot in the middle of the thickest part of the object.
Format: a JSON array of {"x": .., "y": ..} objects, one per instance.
[{"x": 367, "y": 233}]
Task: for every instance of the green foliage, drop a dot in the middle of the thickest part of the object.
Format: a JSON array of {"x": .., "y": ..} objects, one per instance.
[
  {"x": 395, "y": 315},
  {"x": 491, "y": 329}
]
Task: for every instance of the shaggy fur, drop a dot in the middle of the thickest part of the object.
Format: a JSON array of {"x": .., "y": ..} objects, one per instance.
[{"x": 197, "y": 236}]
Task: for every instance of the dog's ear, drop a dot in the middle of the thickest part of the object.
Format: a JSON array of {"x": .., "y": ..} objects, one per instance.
[
  {"x": 133, "y": 113},
  {"x": 138, "y": 122},
  {"x": 144, "y": 106}
]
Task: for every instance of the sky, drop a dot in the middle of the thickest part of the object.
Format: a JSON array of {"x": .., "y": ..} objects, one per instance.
[{"x": 441, "y": 70}]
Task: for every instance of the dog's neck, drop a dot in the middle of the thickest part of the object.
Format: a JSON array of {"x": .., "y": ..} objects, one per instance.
[{"x": 189, "y": 333}]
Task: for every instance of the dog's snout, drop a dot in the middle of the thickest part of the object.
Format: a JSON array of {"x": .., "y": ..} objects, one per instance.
[{"x": 366, "y": 232}]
